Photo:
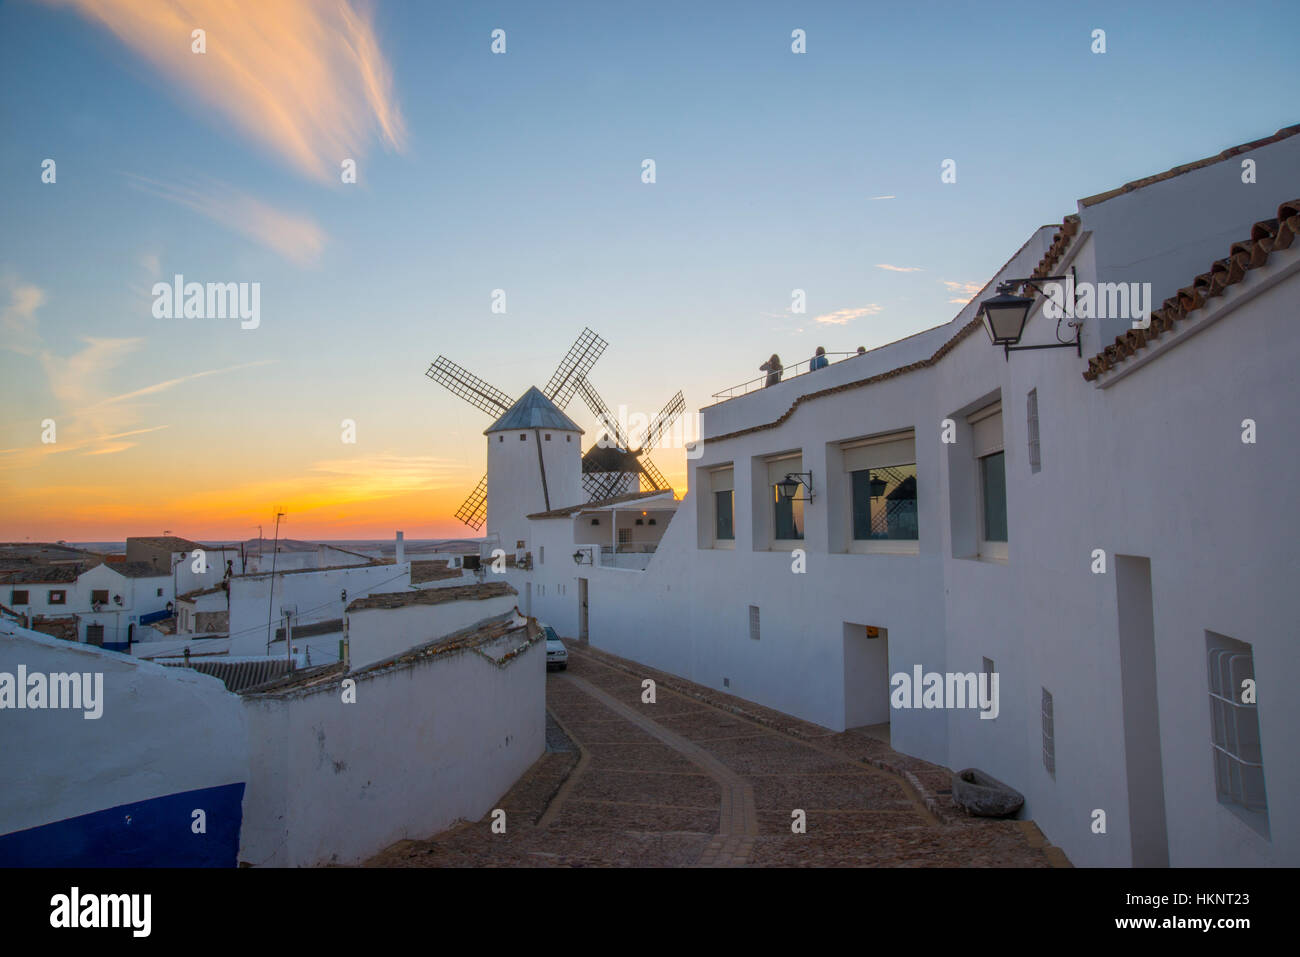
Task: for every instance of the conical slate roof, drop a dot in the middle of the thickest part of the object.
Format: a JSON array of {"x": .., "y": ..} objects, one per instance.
[{"x": 533, "y": 411}]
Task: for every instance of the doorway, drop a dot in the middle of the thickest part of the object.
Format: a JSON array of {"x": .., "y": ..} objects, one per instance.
[
  {"x": 866, "y": 679},
  {"x": 582, "y": 609},
  {"x": 1148, "y": 835}
]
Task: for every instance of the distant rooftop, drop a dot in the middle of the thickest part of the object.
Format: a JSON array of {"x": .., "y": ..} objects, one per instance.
[
  {"x": 170, "y": 542},
  {"x": 533, "y": 411},
  {"x": 432, "y": 596},
  {"x": 608, "y": 503}
]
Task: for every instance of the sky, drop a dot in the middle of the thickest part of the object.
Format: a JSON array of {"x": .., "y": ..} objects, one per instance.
[{"x": 520, "y": 171}]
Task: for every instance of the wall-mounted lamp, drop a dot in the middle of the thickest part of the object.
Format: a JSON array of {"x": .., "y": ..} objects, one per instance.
[
  {"x": 788, "y": 486},
  {"x": 582, "y": 556},
  {"x": 878, "y": 486},
  {"x": 1005, "y": 314}
]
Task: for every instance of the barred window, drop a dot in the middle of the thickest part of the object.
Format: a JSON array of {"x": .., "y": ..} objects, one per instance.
[{"x": 1234, "y": 730}]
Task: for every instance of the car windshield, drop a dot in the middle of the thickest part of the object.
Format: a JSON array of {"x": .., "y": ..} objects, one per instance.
[{"x": 550, "y": 633}]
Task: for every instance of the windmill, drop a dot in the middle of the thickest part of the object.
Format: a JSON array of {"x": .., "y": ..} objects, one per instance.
[
  {"x": 568, "y": 377},
  {"x": 611, "y": 466}
]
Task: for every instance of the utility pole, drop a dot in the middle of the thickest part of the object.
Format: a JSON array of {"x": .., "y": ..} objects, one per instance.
[
  {"x": 270, "y": 602},
  {"x": 288, "y": 637}
]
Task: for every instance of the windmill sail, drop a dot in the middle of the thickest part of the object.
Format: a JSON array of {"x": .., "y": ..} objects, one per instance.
[
  {"x": 473, "y": 511},
  {"x": 465, "y": 384},
  {"x": 573, "y": 368}
]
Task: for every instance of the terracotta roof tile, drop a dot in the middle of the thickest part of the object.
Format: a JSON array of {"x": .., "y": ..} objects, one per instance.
[{"x": 1266, "y": 237}]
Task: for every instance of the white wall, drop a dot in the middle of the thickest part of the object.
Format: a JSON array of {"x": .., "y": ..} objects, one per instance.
[
  {"x": 427, "y": 743},
  {"x": 378, "y": 633},
  {"x": 318, "y": 595},
  {"x": 162, "y": 731}
]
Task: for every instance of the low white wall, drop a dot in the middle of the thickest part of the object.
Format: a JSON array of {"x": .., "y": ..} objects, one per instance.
[
  {"x": 428, "y": 742},
  {"x": 317, "y": 594},
  {"x": 378, "y": 633},
  {"x": 162, "y": 731}
]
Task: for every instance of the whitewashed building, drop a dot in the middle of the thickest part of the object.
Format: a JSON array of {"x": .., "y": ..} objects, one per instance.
[{"x": 1106, "y": 528}]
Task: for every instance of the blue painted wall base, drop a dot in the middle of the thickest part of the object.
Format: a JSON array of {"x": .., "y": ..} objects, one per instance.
[{"x": 153, "y": 833}]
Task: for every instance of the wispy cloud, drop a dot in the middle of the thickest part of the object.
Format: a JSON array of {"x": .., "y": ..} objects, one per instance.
[
  {"x": 87, "y": 421},
  {"x": 842, "y": 317},
  {"x": 18, "y": 315},
  {"x": 962, "y": 289},
  {"x": 898, "y": 268},
  {"x": 388, "y": 473},
  {"x": 297, "y": 238},
  {"x": 306, "y": 78},
  {"x": 890, "y": 196},
  {"x": 172, "y": 383}
]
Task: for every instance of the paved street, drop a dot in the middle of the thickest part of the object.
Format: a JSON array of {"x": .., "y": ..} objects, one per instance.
[{"x": 688, "y": 781}]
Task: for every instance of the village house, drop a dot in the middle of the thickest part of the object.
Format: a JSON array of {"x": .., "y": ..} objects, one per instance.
[{"x": 1048, "y": 516}]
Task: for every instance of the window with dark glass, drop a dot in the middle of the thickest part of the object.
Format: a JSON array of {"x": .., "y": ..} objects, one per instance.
[
  {"x": 724, "y": 515},
  {"x": 787, "y": 518},
  {"x": 993, "y": 485},
  {"x": 884, "y": 503}
]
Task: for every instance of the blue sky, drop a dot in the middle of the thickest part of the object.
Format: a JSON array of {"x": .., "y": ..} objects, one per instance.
[{"x": 522, "y": 172}]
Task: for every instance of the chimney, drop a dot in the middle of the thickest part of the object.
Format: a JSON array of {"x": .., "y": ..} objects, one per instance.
[{"x": 401, "y": 549}]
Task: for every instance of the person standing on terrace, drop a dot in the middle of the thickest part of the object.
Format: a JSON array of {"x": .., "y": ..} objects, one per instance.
[
  {"x": 773, "y": 368},
  {"x": 819, "y": 360}
]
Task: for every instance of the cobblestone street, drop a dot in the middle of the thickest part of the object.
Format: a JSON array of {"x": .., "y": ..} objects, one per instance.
[{"x": 704, "y": 779}]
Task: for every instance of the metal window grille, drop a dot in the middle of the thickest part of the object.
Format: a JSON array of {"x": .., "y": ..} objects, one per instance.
[
  {"x": 753, "y": 622},
  {"x": 1035, "y": 452},
  {"x": 1235, "y": 738},
  {"x": 1049, "y": 734}
]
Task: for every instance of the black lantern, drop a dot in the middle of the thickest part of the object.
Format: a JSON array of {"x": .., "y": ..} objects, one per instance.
[
  {"x": 1004, "y": 317},
  {"x": 878, "y": 486},
  {"x": 789, "y": 486}
]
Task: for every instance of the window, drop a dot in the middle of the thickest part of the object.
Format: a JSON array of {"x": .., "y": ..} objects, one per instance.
[
  {"x": 1234, "y": 730},
  {"x": 548, "y": 436},
  {"x": 993, "y": 483},
  {"x": 99, "y": 596},
  {"x": 882, "y": 493},
  {"x": 541, "y": 554},
  {"x": 722, "y": 482},
  {"x": 1035, "y": 454},
  {"x": 501, "y": 438},
  {"x": 57, "y": 597},
  {"x": 787, "y": 513},
  {"x": 1049, "y": 734},
  {"x": 160, "y": 590},
  {"x": 523, "y": 436},
  {"x": 568, "y": 438},
  {"x": 624, "y": 536},
  {"x": 986, "y": 433},
  {"x": 753, "y": 622},
  {"x": 18, "y": 597},
  {"x": 724, "y": 523}
]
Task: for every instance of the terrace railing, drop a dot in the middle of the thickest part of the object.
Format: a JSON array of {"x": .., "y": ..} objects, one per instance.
[{"x": 802, "y": 367}]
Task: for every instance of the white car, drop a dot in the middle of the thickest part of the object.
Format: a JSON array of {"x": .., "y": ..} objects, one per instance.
[{"x": 557, "y": 656}]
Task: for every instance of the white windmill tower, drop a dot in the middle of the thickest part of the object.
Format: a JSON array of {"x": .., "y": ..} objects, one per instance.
[
  {"x": 534, "y": 464},
  {"x": 551, "y": 481}
]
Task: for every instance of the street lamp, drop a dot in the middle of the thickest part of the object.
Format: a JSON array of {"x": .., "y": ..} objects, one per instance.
[
  {"x": 1004, "y": 317},
  {"x": 788, "y": 486}
]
